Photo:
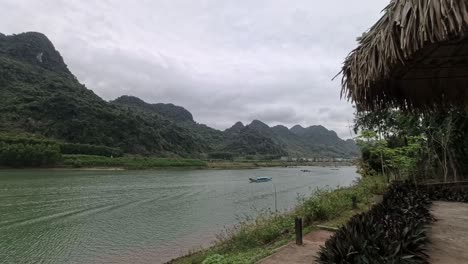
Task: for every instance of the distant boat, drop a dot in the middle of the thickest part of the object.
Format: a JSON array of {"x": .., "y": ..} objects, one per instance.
[
  {"x": 260, "y": 179},
  {"x": 305, "y": 170}
]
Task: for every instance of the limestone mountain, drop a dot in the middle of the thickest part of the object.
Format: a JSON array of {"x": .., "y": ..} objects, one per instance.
[
  {"x": 238, "y": 140},
  {"x": 313, "y": 141},
  {"x": 235, "y": 129},
  {"x": 251, "y": 140},
  {"x": 170, "y": 112},
  {"x": 40, "y": 95}
]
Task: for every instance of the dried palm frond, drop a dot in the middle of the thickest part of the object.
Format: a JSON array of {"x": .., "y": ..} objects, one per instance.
[{"x": 371, "y": 71}]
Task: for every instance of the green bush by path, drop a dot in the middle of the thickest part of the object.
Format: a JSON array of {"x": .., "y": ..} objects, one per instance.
[
  {"x": 130, "y": 162},
  {"x": 393, "y": 231}
]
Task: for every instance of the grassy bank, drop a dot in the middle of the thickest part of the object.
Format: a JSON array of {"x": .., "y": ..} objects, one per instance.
[
  {"x": 90, "y": 161},
  {"x": 252, "y": 240}
]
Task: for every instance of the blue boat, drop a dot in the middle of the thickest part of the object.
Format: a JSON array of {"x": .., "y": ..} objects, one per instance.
[{"x": 260, "y": 179}]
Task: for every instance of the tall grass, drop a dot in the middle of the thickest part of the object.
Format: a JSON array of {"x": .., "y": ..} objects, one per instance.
[{"x": 326, "y": 204}]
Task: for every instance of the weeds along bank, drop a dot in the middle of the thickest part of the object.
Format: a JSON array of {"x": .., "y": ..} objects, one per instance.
[
  {"x": 392, "y": 231},
  {"x": 254, "y": 239}
]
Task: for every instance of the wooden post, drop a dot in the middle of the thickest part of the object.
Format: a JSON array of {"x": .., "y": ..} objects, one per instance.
[
  {"x": 298, "y": 228},
  {"x": 354, "y": 201}
]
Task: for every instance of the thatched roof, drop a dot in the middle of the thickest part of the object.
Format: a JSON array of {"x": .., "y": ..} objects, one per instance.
[{"x": 414, "y": 57}]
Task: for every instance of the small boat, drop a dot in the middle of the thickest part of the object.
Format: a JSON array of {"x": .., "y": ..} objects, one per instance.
[{"x": 260, "y": 179}]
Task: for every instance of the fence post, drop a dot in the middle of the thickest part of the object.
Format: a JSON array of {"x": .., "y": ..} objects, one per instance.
[
  {"x": 354, "y": 201},
  {"x": 298, "y": 228}
]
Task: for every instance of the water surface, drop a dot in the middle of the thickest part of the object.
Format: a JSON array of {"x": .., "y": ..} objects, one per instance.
[{"x": 58, "y": 216}]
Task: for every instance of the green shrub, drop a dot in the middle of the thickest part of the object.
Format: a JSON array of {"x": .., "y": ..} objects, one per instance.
[
  {"x": 391, "y": 232},
  {"x": 266, "y": 228},
  {"x": 214, "y": 259},
  {"x": 441, "y": 192}
]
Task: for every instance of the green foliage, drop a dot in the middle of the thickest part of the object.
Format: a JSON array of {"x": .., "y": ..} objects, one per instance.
[
  {"x": 264, "y": 229},
  {"x": 401, "y": 160},
  {"x": 252, "y": 142},
  {"x": 422, "y": 145},
  {"x": 391, "y": 232},
  {"x": 271, "y": 157},
  {"x": 214, "y": 259},
  {"x": 73, "y": 148},
  {"x": 22, "y": 151},
  {"x": 258, "y": 139},
  {"x": 221, "y": 155},
  {"x": 327, "y": 204},
  {"x": 168, "y": 111},
  {"x": 441, "y": 192},
  {"x": 129, "y": 162},
  {"x": 40, "y": 95},
  {"x": 45, "y": 98}
]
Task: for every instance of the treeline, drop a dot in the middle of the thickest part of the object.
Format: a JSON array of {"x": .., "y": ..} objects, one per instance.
[
  {"x": 21, "y": 151},
  {"x": 129, "y": 162},
  {"x": 232, "y": 156},
  {"x": 73, "y": 148},
  {"x": 26, "y": 150},
  {"x": 420, "y": 146}
]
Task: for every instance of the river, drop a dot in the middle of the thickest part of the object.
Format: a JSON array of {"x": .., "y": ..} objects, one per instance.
[{"x": 73, "y": 216}]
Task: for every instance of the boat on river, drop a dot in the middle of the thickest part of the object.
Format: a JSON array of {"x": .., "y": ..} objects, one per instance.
[{"x": 260, "y": 179}]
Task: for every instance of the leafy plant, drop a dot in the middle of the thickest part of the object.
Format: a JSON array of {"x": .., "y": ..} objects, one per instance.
[{"x": 391, "y": 232}]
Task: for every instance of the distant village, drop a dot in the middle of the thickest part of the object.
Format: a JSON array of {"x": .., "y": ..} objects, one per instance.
[{"x": 315, "y": 159}]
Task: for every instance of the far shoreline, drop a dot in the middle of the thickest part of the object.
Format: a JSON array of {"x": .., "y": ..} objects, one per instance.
[{"x": 210, "y": 165}]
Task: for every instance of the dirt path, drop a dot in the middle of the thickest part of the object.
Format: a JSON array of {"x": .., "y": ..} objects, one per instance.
[
  {"x": 293, "y": 254},
  {"x": 449, "y": 235}
]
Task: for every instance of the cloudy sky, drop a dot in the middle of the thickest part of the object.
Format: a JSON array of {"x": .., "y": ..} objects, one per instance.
[{"x": 223, "y": 60}]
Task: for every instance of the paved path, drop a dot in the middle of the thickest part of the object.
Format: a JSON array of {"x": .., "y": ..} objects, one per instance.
[
  {"x": 291, "y": 253},
  {"x": 449, "y": 235}
]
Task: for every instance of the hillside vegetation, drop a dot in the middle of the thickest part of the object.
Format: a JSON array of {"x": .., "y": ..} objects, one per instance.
[{"x": 41, "y": 96}]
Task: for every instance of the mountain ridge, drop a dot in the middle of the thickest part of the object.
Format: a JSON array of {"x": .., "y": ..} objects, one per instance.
[{"x": 40, "y": 95}]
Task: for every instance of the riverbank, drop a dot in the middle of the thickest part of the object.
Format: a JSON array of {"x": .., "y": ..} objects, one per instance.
[
  {"x": 252, "y": 240},
  {"x": 251, "y": 164},
  {"x": 94, "y": 162},
  {"x": 128, "y": 162}
]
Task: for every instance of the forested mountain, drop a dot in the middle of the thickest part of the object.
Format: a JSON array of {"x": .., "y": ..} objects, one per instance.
[
  {"x": 40, "y": 95},
  {"x": 170, "y": 112},
  {"x": 313, "y": 141}
]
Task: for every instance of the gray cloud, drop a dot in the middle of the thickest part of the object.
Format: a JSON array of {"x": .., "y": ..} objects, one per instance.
[{"x": 224, "y": 60}]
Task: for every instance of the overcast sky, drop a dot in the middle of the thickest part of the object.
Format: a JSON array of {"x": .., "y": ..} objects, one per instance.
[{"x": 223, "y": 60}]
